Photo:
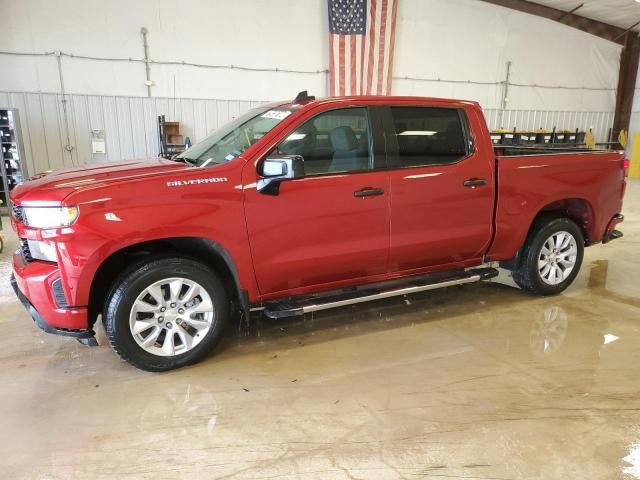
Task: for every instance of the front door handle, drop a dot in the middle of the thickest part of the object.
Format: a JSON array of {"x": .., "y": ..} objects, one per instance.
[
  {"x": 474, "y": 182},
  {"x": 368, "y": 192}
]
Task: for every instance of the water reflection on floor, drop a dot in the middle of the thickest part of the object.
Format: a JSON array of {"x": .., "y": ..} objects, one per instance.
[{"x": 475, "y": 381}]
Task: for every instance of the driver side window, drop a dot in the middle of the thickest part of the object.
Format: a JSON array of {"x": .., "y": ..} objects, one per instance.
[{"x": 334, "y": 141}]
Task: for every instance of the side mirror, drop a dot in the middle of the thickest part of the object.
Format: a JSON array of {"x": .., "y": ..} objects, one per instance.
[{"x": 279, "y": 168}]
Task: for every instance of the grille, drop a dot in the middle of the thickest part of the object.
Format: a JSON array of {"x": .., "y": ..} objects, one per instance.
[
  {"x": 58, "y": 293},
  {"x": 18, "y": 213},
  {"x": 26, "y": 252}
]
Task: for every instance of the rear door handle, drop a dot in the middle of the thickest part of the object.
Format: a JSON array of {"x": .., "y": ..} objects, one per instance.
[
  {"x": 474, "y": 182},
  {"x": 368, "y": 192}
]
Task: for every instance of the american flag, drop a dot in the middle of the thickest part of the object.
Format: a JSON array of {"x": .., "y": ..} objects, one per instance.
[{"x": 361, "y": 39}]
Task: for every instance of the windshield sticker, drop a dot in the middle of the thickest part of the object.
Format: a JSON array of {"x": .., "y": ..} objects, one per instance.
[
  {"x": 229, "y": 157},
  {"x": 276, "y": 114},
  {"x": 196, "y": 181}
]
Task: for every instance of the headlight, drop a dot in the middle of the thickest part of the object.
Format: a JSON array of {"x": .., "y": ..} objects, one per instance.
[{"x": 49, "y": 217}]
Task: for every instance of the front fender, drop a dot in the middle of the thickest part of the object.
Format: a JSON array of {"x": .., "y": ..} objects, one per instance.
[{"x": 137, "y": 212}]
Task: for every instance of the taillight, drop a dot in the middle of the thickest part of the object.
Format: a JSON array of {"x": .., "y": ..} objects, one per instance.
[{"x": 626, "y": 163}]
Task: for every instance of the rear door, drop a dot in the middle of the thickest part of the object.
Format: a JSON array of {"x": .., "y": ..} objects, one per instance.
[
  {"x": 441, "y": 188},
  {"x": 328, "y": 228}
]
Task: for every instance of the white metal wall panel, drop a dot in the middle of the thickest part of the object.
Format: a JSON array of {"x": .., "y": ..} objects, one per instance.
[
  {"x": 600, "y": 122},
  {"x": 95, "y": 113},
  {"x": 109, "y": 111},
  {"x": 52, "y": 131},
  {"x": 58, "y": 122},
  {"x": 187, "y": 118},
  {"x": 131, "y": 131},
  {"x": 125, "y": 127},
  {"x": 80, "y": 120},
  {"x": 211, "y": 114},
  {"x": 139, "y": 140},
  {"x": 150, "y": 126},
  {"x": 32, "y": 125},
  {"x": 199, "y": 119}
]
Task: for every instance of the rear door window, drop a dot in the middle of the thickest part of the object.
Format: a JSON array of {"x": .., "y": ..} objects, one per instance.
[{"x": 429, "y": 135}]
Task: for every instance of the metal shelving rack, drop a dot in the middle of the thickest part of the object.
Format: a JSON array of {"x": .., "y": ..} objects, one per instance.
[
  {"x": 171, "y": 140},
  {"x": 13, "y": 167}
]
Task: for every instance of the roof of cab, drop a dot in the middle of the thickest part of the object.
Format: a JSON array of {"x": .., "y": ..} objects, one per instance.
[{"x": 373, "y": 99}]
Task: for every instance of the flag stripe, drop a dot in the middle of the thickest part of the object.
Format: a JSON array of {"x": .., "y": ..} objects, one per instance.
[
  {"x": 365, "y": 61},
  {"x": 336, "y": 47},
  {"x": 341, "y": 74},
  {"x": 377, "y": 57},
  {"x": 332, "y": 77},
  {"x": 372, "y": 41},
  {"x": 381, "y": 49},
  {"x": 352, "y": 70},
  {"x": 361, "y": 40},
  {"x": 347, "y": 64},
  {"x": 392, "y": 41},
  {"x": 384, "y": 56}
]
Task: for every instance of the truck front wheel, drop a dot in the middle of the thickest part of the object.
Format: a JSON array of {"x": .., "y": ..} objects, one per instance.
[
  {"x": 166, "y": 313},
  {"x": 551, "y": 257}
]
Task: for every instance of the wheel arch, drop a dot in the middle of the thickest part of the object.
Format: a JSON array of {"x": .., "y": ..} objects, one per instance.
[
  {"x": 204, "y": 250},
  {"x": 577, "y": 209}
]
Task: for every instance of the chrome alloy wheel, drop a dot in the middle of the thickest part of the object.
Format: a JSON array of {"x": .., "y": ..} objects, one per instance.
[
  {"x": 171, "y": 316},
  {"x": 557, "y": 258}
]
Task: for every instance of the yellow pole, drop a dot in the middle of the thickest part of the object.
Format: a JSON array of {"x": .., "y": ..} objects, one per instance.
[{"x": 634, "y": 169}]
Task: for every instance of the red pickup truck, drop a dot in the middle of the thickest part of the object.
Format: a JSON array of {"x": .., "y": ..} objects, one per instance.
[{"x": 300, "y": 206}]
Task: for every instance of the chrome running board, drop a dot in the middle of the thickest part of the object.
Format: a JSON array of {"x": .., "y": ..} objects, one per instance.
[{"x": 313, "y": 303}]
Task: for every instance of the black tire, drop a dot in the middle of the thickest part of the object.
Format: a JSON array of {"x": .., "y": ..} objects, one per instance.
[
  {"x": 527, "y": 275},
  {"x": 133, "y": 282}
]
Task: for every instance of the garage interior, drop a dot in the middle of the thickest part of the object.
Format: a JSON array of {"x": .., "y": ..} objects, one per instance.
[{"x": 478, "y": 381}]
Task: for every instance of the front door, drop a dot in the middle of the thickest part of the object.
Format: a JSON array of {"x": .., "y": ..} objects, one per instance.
[{"x": 331, "y": 227}]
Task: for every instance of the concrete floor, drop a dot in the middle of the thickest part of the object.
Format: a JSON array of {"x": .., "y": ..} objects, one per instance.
[{"x": 478, "y": 381}]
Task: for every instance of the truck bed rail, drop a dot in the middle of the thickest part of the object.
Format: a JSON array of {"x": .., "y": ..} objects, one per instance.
[{"x": 519, "y": 150}]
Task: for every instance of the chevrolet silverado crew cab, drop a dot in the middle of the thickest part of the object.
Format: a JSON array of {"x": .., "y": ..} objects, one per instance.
[{"x": 300, "y": 206}]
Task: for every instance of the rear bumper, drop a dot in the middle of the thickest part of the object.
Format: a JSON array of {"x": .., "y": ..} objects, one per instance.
[
  {"x": 611, "y": 233},
  {"x": 32, "y": 283}
]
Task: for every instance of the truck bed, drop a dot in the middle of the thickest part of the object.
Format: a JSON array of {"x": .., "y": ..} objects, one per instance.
[{"x": 574, "y": 181}]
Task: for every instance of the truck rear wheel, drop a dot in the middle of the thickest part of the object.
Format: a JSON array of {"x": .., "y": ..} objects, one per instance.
[
  {"x": 166, "y": 313},
  {"x": 551, "y": 258}
]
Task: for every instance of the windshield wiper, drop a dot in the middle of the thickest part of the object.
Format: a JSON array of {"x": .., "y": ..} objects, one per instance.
[{"x": 186, "y": 160}]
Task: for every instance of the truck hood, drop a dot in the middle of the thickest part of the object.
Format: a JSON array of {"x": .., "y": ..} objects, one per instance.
[{"x": 54, "y": 187}]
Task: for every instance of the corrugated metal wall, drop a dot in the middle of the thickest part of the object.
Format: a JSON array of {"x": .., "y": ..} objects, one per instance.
[
  {"x": 601, "y": 122},
  {"x": 130, "y": 124}
]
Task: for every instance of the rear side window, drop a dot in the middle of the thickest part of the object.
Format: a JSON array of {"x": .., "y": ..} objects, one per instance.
[{"x": 429, "y": 135}]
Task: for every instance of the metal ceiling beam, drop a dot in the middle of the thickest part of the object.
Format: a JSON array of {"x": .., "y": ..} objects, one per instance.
[
  {"x": 628, "y": 30},
  {"x": 594, "y": 27},
  {"x": 573, "y": 10},
  {"x": 629, "y": 59}
]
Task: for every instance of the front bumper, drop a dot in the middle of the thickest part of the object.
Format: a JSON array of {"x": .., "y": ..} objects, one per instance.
[
  {"x": 42, "y": 323},
  {"x": 32, "y": 284}
]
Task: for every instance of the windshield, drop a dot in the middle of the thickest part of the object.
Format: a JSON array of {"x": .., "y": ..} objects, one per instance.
[{"x": 230, "y": 140}]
